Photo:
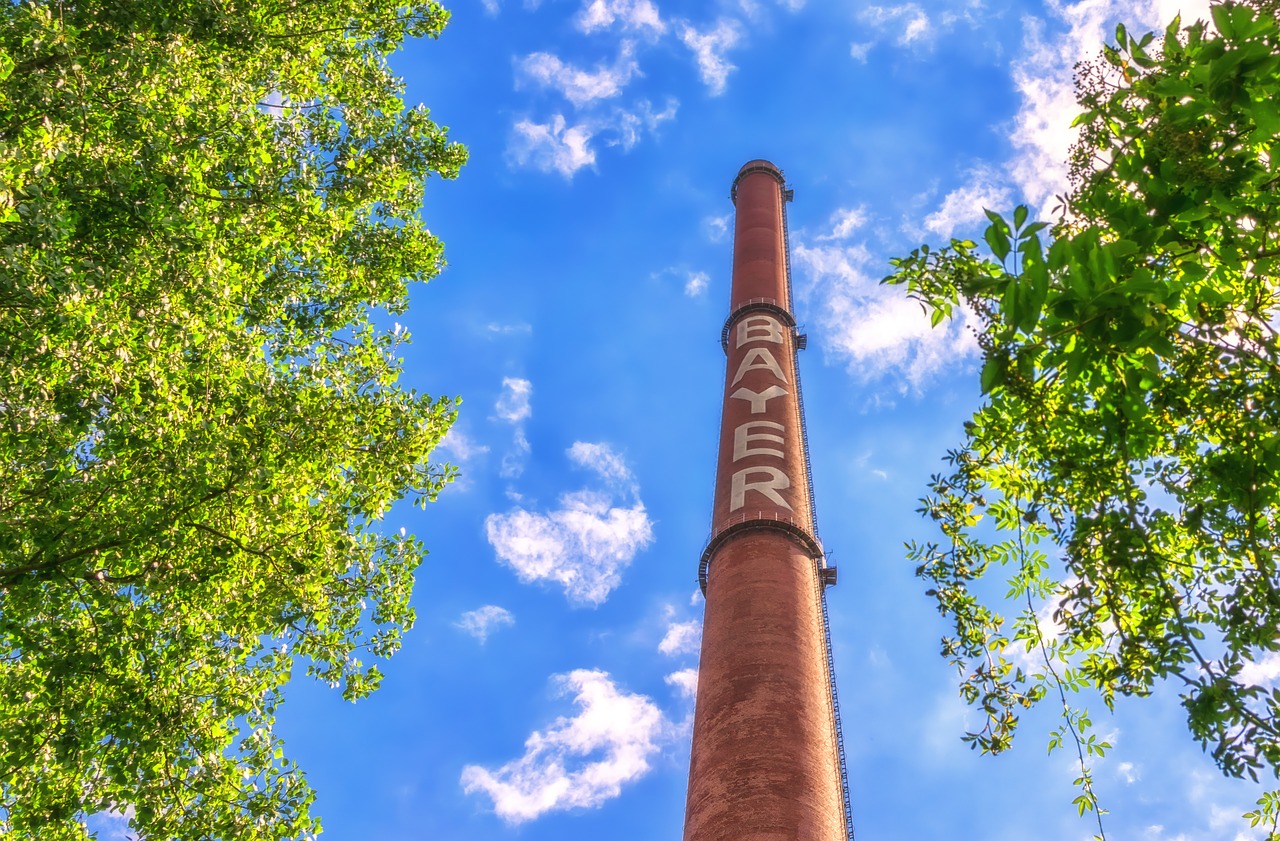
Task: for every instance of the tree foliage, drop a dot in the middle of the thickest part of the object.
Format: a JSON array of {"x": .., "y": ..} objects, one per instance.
[
  {"x": 204, "y": 204},
  {"x": 1123, "y": 474}
]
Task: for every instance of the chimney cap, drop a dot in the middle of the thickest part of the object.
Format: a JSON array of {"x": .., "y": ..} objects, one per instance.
[
  {"x": 759, "y": 163},
  {"x": 753, "y": 166}
]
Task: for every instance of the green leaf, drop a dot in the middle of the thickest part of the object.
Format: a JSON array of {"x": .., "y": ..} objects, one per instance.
[
  {"x": 1222, "y": 19},
  {"x": 998, "y": 240},
  {"x": 216, "y": 431},
  {"x": 994, "y": 372},
  {"x": 1129, "y": 463}
]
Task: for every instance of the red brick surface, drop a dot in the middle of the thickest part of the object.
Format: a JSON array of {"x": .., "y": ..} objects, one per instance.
[
  {"x": 764, "y": 765},
  {"x": 764, "y": 762}
]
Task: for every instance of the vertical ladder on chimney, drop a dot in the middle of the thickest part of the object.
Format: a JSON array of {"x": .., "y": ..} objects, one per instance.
[
  {"x": 835, "y": 710},
  {"x": 787, "y": 195}
]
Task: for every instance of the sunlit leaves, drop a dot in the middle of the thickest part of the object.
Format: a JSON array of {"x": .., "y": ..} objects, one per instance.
[
  {"x": 1123, "y": 473},
  {"x": 205, "y": 206}
]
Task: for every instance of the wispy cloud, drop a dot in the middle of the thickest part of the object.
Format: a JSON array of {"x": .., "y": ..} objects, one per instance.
[
  {"x": 718, "y": 226},
  {"x": 579, "y": 761},
  {"x": 1129, "y": 772},
  {"x": 113, "y": 824},
  {"x": 696, "y": 284},
  {"x": 604, "y": 461},
  {"x": 962, "y": 209},
  {"x": 580, "y": 87},
  {"x": 552, "y": 146},
  {"x": 513, "y": 405},
  {"x": 519, "y": 328},
  {"x": 844, "y": 222},
  {"x": 709, "y": 49},
  {"x": 685, "y": 682},
  {"x": 625, "y": 128},
  {"x": 513, "y": 460},
  {"x": 583, "y": 545},
  {"x": 681, "y": 638},
  {"x": 694, "y": 281},
  {"x": 482, "y": 621},
  {"x": 908, "y": 23},
  {"x": 1041, "y": 132},
  {"x": 461, "y": 446},
  {"x": 629, "y": 15},
  {"x": 876, "y": 330},
  {"x": 859, "y": 50},
  {"x": 556, "y": 146},
  {"x": 1264, "y": 672}
]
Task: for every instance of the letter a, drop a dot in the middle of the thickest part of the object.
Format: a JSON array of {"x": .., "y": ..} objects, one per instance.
[
  {"x": 758, "y": 359},
  {"x": 777, "y": 481}
]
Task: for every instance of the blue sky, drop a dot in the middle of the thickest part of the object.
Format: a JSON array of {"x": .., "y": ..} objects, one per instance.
[{"x": 545, "y": 692}]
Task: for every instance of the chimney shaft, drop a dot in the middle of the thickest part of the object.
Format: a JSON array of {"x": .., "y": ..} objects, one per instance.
[{"x": 765, "y": 762}]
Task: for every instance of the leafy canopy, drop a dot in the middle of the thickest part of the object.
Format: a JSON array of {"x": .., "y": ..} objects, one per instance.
[
  {"x": 203, "y": 205},
  {"x": 1123, "y": 473}
]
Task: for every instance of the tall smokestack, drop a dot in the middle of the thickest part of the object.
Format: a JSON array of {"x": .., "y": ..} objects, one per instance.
[{"x": 767, "y": 761}]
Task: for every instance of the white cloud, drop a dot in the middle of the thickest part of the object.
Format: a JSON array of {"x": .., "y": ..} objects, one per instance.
[
  {"x": 113, "y": 824},
  {"x": 877, "y": 330},
  {"x": 859, "y": 50},
  {"x": 513, "y": 460},
  {"x": 681, "y": 638},
  {"x": 685, "y": 682},
  {"x": 577, "y": 762},
  {"x": 482, "y": 621},
  {"x": 581, "y": 87},
  {"x": 962, "y": 208},
  {"x": 709, "y": 50},
  {"x": 696, "y": 284},
  {"x": 459, "y": 445},
  {"x": 844, "y": 222},
  {"x": 513, "y": 405},
  {"x": 603, "y": 460},
  {"x": 908, "y": 22},
  {"x": 718, "y": 227},
  {"x": 553, "y": 145},
  {"x": 1042, "y": 133},
  {"x": 629, "y": 126},
  {"x": 557, "y": 146},
  {"x": 519, "y": 328},
  {"x": 631, "y": 15},
  {"x": 585, "y": 544},
  {"x": 1264, "y": 672},
  {"x": 1129, "y": 772}
]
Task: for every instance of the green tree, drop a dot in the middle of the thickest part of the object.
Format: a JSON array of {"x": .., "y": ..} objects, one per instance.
[
  {"x": 1123, "y": 473},
  {"x": 204, "y": 205}
]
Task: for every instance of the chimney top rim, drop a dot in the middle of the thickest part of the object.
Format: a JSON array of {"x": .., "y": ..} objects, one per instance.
[{"x": 759, "y": 163}]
